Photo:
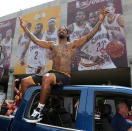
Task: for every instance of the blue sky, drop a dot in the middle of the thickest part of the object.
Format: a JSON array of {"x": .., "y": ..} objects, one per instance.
[{"x": 11, "y": 6}]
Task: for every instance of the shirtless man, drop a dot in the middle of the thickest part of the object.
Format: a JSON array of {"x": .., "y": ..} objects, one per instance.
[{"x": 61, "y": 55}]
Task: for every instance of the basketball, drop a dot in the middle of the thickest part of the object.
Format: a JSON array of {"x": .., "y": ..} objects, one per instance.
[{"x": 115, "y": 49}]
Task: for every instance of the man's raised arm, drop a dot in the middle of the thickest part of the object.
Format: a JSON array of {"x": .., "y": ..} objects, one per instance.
[
  {"x": 42, "y": 43},
  {"x": 86, "y": 38}
]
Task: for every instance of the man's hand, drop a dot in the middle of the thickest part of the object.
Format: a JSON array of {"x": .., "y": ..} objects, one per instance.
[
  {"x": 102, "y": 14},
  {"x": 16, "y": 80},
  {"x": 22, "y": 23}
]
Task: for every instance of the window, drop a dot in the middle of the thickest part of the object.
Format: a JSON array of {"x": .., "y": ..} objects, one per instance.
[
  {"x": 105, "y": 109},
  {"x": 60, "y": 108}
]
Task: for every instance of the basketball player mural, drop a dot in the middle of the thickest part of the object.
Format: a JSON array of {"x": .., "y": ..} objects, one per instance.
[
  {"x": 50, "y": 35},
  {"x": 35, "y": 55},
  {"x": 1, "y": 38},
  {"x": 114, "y": 24},
  {"x": 76, "y": 31},
  {"x": 93, "y": 54},
  {"x": 62, "y": 55},
  {"x": 2, "y": 55},
  {"x": 23, "y": 40},
  {"x": 7, "y": 49}
]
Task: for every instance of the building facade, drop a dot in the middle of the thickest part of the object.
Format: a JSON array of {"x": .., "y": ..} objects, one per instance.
[{"x": 126, "y": 4}]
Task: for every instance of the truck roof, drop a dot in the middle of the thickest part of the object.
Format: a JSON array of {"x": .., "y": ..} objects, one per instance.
[
  {"x": 86, "y": 87},
  {"x": 99, "y": 88}
]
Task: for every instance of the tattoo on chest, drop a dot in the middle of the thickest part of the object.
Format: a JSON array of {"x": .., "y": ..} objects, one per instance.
[{"x": 62, "y": 56}]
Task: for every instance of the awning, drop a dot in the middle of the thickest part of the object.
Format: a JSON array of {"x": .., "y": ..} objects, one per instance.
[{"x": 118, "y": 76}]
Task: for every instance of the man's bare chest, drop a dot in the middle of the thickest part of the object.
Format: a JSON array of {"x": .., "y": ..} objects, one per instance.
[{"x": 63, "y": 51}]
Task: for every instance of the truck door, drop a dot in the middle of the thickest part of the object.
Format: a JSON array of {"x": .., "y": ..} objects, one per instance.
[
  {"x": 105, "y": 102},
  {"x": 5, "y": 122},
  {"x": 65, "y": 111}
]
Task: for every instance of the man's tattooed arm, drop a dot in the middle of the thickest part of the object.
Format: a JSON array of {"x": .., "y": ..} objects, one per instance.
[
  {"x": 42, "y": 43},
  {"x": 86, "y": 38}
]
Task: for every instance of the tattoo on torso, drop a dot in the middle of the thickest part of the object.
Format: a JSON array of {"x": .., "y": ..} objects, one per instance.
[{"x": 62, "y": 57}]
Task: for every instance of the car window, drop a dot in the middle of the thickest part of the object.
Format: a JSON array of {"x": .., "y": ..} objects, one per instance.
[
  {"x": 60, "y": 108},
  {"x": 105, "y": 109}
]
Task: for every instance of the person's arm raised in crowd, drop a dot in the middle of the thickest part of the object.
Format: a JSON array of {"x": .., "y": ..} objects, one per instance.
[
  {"x": 41, "y": 43},
  {"x": 86, "y": 38},
  {"x": 14, "y": 85}
]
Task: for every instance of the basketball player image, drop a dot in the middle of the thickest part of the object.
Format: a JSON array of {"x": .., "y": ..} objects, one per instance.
[
  {"x": 7, "y": 49},
  {"x": 50, "y": 35},
  {"x": 77, "y": 30},
  {"x": 114, "y": 24},
  {"x": 23, "y": 39},
  {"x": 1, "y": 57},
  {"x": 80, "y": 27},
  {"x": 93, "y": 54},
  {"x": 62, "y": 55},
  {"x": 1, "y": 51},
  {"x": 0, "y": 38},
  {"x": 35, "y": 54}
]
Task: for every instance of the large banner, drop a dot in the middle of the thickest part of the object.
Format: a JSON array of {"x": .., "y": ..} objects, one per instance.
[
  {"x": 7, "y": 29},
  {"x": 107, "y": 49},
  {"x": 31, "y": 58}
]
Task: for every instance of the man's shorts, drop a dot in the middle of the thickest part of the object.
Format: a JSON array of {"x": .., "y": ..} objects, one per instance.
[{"x": 61, "y": 78}]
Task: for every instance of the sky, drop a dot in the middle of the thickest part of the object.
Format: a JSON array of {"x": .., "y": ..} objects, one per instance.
[{"x": 11, "y": 6}]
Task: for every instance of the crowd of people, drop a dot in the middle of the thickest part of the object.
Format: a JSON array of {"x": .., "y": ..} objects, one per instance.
[{"x": 10, "y": 108}]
